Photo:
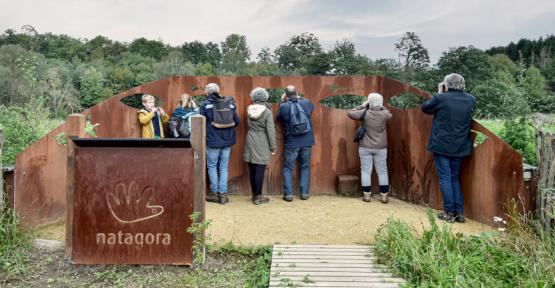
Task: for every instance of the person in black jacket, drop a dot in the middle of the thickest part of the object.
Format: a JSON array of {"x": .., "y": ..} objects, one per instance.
[
  {"x": 450, "y": 140},
  {"x": 219, "y": 139},
  {"x": 296, "y": 146}
]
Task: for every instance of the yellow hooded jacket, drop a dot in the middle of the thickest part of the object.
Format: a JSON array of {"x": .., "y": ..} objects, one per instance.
[{"x": 147, "y": 126}]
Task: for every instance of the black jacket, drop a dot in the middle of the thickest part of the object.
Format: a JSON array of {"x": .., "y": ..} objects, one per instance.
[{"x": 452, "y": 112}]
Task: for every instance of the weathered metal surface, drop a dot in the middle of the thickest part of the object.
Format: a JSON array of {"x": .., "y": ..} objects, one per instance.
[
  {"x": 131, "y": 205},
  {"x": 488, "y": 179},
  {"x": 9, "y": 180}
]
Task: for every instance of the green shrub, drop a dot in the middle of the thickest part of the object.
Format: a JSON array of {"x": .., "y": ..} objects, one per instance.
[
  {"x": 522, "y": 257},
  {"x": 519, "y": 133},
  {"x": 496, "y": 99},
  {"x": 406, "y": 101},
  {"x": 23, "y": 126}
]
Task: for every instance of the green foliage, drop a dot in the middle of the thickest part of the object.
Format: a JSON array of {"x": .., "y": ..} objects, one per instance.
[
  {"x": 496, "y": 99},
  {"x": 149, "y": 48},
  {"x": 23, "y": 126},
  {"x": 519, "y": 133},
  {"x": 344, "y": 101},
  {"x": 412, "y": 53},
  {"x": 439, "y": 258},
  {"x": 406, "y": 101},
  {"x": 91, "y": 87},
  {"x": 470, "y": 62},
  {"x": 235, "y": 53},
  {"x": 12, "y": 240},
  {"x": 198, "y": 230},
  {"x": 534, "y": 85}
]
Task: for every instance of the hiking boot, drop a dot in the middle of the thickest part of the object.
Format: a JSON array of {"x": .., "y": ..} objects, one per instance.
[
  {"x": 367, "y": 196},
  {"x": 222, "y": 198},
  {"x": 304, "y": 196},
  {"x": 384, "y": 198},
  {"x": 212, "y": 197},
  {"x": 288, "y": 198},
  {"x": 448, "y": 217},
  {"x": 459, "y": 217},
  {"x": 259, "y": 199}
]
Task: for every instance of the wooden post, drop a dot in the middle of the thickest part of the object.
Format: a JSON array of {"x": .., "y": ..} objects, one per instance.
[
  {"x": 75, "y": 128},
  {"x": 198, "y": 141},
  {"x": 2, "y": 196},
  {"x": 545, "y": 195}
]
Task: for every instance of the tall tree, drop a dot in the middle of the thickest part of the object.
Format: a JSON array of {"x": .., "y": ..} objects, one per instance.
[
  {"x": 149, "y": 48},
  {"x": 412, "y": 54},
  {"x": 297, "y": 50},
  {"x": 236, "y": 53},
  {"x": 470, "y": 62},
  {"x": 199, "y": 53}
]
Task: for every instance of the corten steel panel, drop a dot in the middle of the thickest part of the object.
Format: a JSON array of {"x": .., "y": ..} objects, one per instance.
[
  {"x": 9, "y": 186},
  {"x": 488, "y": 179},
  {"x": 40, "y": 177},
  {"x": 132, "y": 205}
]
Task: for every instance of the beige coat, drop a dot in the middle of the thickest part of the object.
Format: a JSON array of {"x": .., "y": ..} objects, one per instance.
[{"x": 375, "y": 122}]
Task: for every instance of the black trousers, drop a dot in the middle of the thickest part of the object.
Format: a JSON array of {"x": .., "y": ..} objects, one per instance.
[{"x": 256, "y": 175}]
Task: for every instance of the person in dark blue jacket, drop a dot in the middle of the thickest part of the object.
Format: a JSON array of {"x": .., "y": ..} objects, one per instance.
[
  {"x": 296, "y": 146},
  {"x": 450, "y": 140},
  {"x": 219, "y": 139}
]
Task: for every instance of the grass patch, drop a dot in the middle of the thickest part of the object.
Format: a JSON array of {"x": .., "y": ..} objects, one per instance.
[
  {"x": 12, "y": 244},
  {"x": 524, "y": 256}
]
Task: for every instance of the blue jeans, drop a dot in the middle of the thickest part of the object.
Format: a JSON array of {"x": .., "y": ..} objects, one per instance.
[
  {"x": 217, "y": 160},
  {"x": 449, "y": 169},
  {"x": 291, "y": 156}
]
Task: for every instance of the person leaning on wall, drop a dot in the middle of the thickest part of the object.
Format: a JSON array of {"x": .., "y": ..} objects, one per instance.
[
  {"x": 450, "y": 140},
  {"x": 372, "y": 147},
  {"x": 260, "y": 142}
]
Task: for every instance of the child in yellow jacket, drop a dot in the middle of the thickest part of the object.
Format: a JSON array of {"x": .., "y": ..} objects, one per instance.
[{"x": 152, "y": 118}]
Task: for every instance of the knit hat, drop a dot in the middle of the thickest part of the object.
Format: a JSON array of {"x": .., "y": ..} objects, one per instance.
[
  {"x": 375, "y": 100},
  {"x": 259, "y": 95}
]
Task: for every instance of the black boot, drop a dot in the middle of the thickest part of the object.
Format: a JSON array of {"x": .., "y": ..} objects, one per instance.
[
  {"x": 212, "y": 197},
  {"x": 448, "y": 217},
  {"x": 259, "y": 199},
  {"x": 222, "y": 197},
  {"x": 459, "y": 217}
]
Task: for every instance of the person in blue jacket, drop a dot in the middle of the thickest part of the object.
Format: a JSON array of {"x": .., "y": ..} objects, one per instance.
[
  {"x": 220, "y": 136},
  {"x": 296, "y": 146},
  {"x": 450, "y": 140}
]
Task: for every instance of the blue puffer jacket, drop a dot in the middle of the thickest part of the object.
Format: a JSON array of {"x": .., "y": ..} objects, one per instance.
[
  {"x": 217, "y": 137},
  {"x": 283, "y": 114},
  {"x": 452, "y": 112}
]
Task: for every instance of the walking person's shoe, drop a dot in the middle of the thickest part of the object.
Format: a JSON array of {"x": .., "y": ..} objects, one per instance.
[
  {"x": 288, "y": 198},
  {"x": 222, "y": 198},
  {"x": 384, "y": 197},
  {"x": 448, "y": 217},
  {"x": 304, "y": 196},
  {"x": 366, "y": 197},
  {"x": 459, "y": 217},
  {"x": 259, "y": 199},
  {"x": 212, "y": 197}
]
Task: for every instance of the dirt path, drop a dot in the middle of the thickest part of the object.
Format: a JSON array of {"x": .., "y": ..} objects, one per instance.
[{"x": 319, "y": 220}]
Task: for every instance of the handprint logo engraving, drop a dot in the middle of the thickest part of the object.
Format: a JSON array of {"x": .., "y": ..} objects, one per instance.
[{"x": 130, "y": 205}]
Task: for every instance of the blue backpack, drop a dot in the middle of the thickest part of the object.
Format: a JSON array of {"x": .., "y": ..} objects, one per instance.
[{"x": 300, "y": 124}]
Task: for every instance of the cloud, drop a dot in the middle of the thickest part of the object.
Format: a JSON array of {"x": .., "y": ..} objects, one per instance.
[{"x": 374, "y": 26}]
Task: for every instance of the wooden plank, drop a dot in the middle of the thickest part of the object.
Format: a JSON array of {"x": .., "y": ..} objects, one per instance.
[
  {"x": 341, "y": 278},
  {"x": 198, "y": 142},
  {"x": 365, "y": 269},
  {"x": 321, "y": 257},
  {"x": 278, "y": 246},
  {"x": 320, "y": 261},
  {"x": 331, "y": 284},
  {"x": 330, "y": 265},
  {"x": 337, "y": 273}
]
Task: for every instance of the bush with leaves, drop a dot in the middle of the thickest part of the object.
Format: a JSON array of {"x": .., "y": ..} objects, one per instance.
[
  {"x": 519, "y": 133},
  {"x": 496, "y": 99}
]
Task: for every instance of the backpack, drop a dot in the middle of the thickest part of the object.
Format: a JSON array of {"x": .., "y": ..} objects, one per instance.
[
  {"x": 223, "y": 113},
  {"x": 180, "y": 126},
  {"x": 299, "y": 122}
]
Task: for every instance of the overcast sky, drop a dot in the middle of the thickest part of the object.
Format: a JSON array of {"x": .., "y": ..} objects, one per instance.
[{"x": 374, "y": 26}]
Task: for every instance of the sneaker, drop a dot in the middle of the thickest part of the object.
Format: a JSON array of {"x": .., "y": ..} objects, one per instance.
[
  {"x": 459, "y": 217},
  {"x": 367, "y": 196},
  {"x": 448, "y": 217},
  {"x": 259, "y": 199},
  {"x": 212, "y": 197},
  {"x": 305, "y": 197},
  {"x": 384, "y": 197},
  {"x": 222, "y": 198},
  {"x": 288, "y": 198}
]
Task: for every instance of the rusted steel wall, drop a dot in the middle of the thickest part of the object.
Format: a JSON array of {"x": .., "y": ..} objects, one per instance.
[
  {"x": 491, "y": 176},
  {"x": 131, "y": 205}
]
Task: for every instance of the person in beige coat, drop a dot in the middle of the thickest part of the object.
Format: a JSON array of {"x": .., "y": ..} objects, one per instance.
[
  {"x": 260, "y": 142},
  {"x": 373, "y": 146}
]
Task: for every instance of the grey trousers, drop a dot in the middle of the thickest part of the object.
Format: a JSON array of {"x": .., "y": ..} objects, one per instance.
[{"x": 369, "y": 157}]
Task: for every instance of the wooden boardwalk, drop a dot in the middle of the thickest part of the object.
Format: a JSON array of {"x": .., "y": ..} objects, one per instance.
[{"x": 328, "y": 266}]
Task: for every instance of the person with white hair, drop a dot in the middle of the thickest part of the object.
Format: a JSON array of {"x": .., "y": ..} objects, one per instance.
[
  {"x": 373, "y": 144},
  {"x": 450, "y": 140},
  {"x": 260, "y": 141},
  {"x": 221, "y": 120}
]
